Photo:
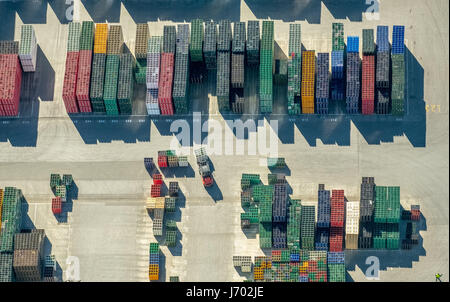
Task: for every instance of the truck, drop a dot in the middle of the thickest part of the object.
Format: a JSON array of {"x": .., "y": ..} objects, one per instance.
[{"x": 203, "y": 167}]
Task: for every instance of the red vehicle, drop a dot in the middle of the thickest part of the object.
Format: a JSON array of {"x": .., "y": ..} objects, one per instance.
[{"x": 203, "y": 168}]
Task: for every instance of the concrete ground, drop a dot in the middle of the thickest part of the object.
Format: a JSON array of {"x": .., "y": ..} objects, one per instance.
[{"x": 107, "y": 226}]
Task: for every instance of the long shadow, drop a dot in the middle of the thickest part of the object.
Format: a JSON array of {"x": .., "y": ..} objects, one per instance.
[
  {"x": 215, "y": 192},
  {"x": 251, "y": 231},
  {"x": 8, "y": 21},
  {"x": 242, "y": 274},
  {"x": 178, "y": 172},
  {"x": 330, "y": 131}
]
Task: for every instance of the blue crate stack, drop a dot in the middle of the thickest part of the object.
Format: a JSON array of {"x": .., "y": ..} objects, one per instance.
[
  {"x": 382, "y": 71},
  {"x": 382, "y": 38},
  {"x": 322, "y": 83},
  {"x": 398, "y": 39},
  {"x": 279, "y": 235},
  {"x": 352, "y": 44},
  {"x": 337, "y": 75},
  {"x": 322, "y": 239},
  {"x": 279, "y": 208}
]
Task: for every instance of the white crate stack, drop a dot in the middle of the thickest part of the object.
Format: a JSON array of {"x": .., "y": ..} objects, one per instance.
[
  {"x": 352, "y": 225},
  {"x": 152, "y": 74},
  {"x": 28, "y": 49}
]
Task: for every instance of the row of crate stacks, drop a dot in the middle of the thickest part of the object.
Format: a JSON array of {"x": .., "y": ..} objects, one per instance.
[
  {"x": 13, "y": 55},
  {"x": 21, "y": 254}
]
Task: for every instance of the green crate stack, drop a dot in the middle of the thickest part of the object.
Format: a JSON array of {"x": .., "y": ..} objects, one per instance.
[
  {"x": 338, "y": 36},
  {"x": 73, "y": 42},
  {"x": 61, "y": 191},
  {"x": 97, "y": 82},
  {"x": 336, "y": 272},
  {"x": 196, "y": 45},
  {"x": 285, "y": 256},
  {"x": 174, "y": 279},
  {"x": 171, "y": 238},
  {"x": 379, "y": 235},
  {"x": 169, "y": 204},
  {"x": 293, "y": 224},
  {"x": 380, "y": 204},
  {"x": 87, "y": 35},
  {"x": 294, "y": 68},
  {"x": 276, "y": 162},
  {"x": 110, "y": 88},
  {"x": 6, "y": 267},
  {"x": 368, "y": 42},
  {"x": 262, "y": 193},
  {"x": 171, "y": 225},
  {"x": 11, "y": 218},
  {"x": 154, "y": 248},
  {"x": 398, "y": 84},
  {"x": 140, "y": 71},
  {"x": 251, "y": 215},
  {"x": 265, "y": 210},
  {"x": 393, "y": 205},
  {"x": 392, "y": 236},
  {"x": 266, "y": 68},
  {"x": 55, "y": 180},
  {"x": 246, "y": 198},
  {"x": 67, "y": 180},
  {"x": 265, "y": 235},
  {"x": 248, "y": 180},
  {"x": 126, "y": 84},
  {"x": 308, "y": 217}
]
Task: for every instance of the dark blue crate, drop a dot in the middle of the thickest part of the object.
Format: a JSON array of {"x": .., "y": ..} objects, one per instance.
[
  {"x": 322, "y": 105},
  {"x": 148, "y": 162},
  {"x": 154, "y": 258},
  {"x": 295, "y": 257},
  {"x": 322, "y": 239},
  {"x": 323, "y": 209},
  {"x": 321, "y": 246},
  {"x": 352, "y": 105},
  {"x": 382, "y": 38},
  {"x": 322, "y": 79},
  {"x": 398, "y": 39},
  {"x": 279, "y": 207},
  {"x": 303, "y": 279},
  {"x": 336, "y": 257},
  {"x": 337, "y": 89},
  {"x": 352, "y": 44}
]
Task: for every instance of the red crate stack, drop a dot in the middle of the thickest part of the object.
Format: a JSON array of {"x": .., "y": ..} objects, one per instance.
[
  {"x": 337, "y": 208},
  {"x": 336, "y": 239},
  {"x": 10, "y": 82},
  {"x": 156, "y": 191},
  {"x": 70, "y": 82},
  {"x": 157, "y": 179},
  {"x": 415, "y": 212},
  {"x": 165, "y": 84},
  {"x": 368, "y": 84},
  {"x": 162, "y": 161},
  {"x": 56, "y": 205},
  {"x": 83, "y": 80}
]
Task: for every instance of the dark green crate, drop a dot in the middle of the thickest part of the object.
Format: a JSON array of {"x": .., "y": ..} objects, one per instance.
[
  {"x": 169, "y": 204},
  {"x": 171, "y": 224},
  {"x": 110, "y": 87},
  {"x": 196, "y": 43},
  {"x": 87, "y": 35},
  {"x": 140, "y": 71},
  {"x": 55, "y": 180},
  {"x": 125, "y": 87},
  {"x": 338, "y": 36},
  {"x": 154, "y": 248},
  {"x": 368, "y": 42},
  {"x": 171, "y": 238}
]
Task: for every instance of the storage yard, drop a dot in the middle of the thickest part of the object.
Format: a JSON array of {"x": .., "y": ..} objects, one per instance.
[{"x": 87, "y": 162}]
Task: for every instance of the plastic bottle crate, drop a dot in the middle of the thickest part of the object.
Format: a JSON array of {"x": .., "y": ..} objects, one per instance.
[
  {"x": 210, "y": 45},
  {"x": 368, "y": 42},
  {"x": 398, "y": 84},
  {"x": 171, "y": 238},
  {"x": 245, "y": 198},
  {"x": 365, "y": 235},
  {"x": 353, "y": 75},
  {"x": 307, "y": 221},
  {"x": 336, "y": 272},
  {"x": 224, "y": 37},
  {"x": 338, "y": 36},
  {"x": 56, "y": 205},
  {"x": 110, "y": 86},
  {"x": 352, "y": 44},
  {"x": 237, "y": 70},
  {"x": 153, "y": 272},
  {"x": 322, "y": 238},
  {"x": 10, "y": 86},
  {"x": 196, "y": 45},
  {"x": 323, "y": 209},
  {"x": 265, "y": 212},
  {"x": 336, "y": 257},
  {"x": 382, "y": 38},
  {"x": 382, "y": 70},
  {"x": 379, "y": 236},
  {"x": 322, "y": 83},
  {"x": 61, "y": 191},
  {"x": 382, "y": 101},
  {"x": 181, "y": 73},
  {"x": 166, "y": 84},
  {"x": 70, "y": 82},
  {"x": 154, "y": 259},
  {"x": 9, "y": 47},
  {"x": 265, "y": 235},
  {"x": 337, "y": 64},
  {"x": 55, "y": 180},
  {"x": 154, "y": 248},
  {"x": 157, "y": 178},
  {"x": 351, "y": 241},
  {"x": 398, "y": 39},
  {"x": 87, "y": 35},
  {"x": 279, "y": 237},
  {"x": 368, "y": 84},
  {"x": 239, "y": 37},
  {"x": 253, "y": 40},
  {"x": 173, "y": 189},
  {"x": 393, "y": 205},
  {"x": 157, "y": 227},
  {"x": 171, "y": 224},
  {"x": 73, "y": 41},
  {"x": 125, "y": 85},
  {"x": 156, "y": 190},
  {"x": 115, "y": 40},
  {"x": 295, "y": 41},
  {"x": 336, "y": 239},
  {"x": 279, "y": 208},
  {"x": 223, "y": 80},
  {"x": 28, "y": 48},
  {"x": 337, "y": 208},
  {"x": 380, "y": 212},
  {"x": 392, "y": 236},
  {"x": 101, "y": 38},
  {"x": 262, "y": 193},
  {"x": 142, "y": 36},
  {"x": 153, "y": 72},
  {"x": 83, "y": 80},
  {"x": 97, "y": 82},
  {"x": 140, "y": 71}
]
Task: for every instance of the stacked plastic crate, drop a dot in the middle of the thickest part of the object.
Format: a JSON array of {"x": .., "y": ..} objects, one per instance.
[
  {"x": 237, "y": 67},
  {"x": 196, "y": 43},
  {"x": 244, "y": 262},
  {"x": 368, "y": 73},
  {"x": 167, "y": 69},
  {"x": 293, "y": 224},
  {"x": 279, "y": 216},
  {"x": 336, "y": 266},
  {"x": 210, "y": 45},
  {"x": 303, "y": 266},
  {"x": 253, "y": 40},
  {"x": 307, "y": 227},
  {"x": 353, "y": 75},
  {"x": 98, "y": 68},
  {"x": 323, "y": 220},
  {"x": 153, "y": 264},
  {"x": 142, "y": 36},
  {"x": 11, "y": 218},
  {"x": 10, "y": 84},
  {"x": 366, "y": 212},
  {"x": 352, "y": 225},
  {"x": 28, "y": 48},
  {"x": 181, "y": 76},
  {"x": 125, "y": 85},
  {"x": 337, "y": 62},
  {"x": 266, "y": 68},
  {"x": 386, "y": 218},
  {"x": 223, "y": 65},
  {"x": 9, "y": 47},
  {"x": 294, "y": 69},
  {"x": 382, "y": 82},
  {"x": 317, "y": 266},
  {"x": 1, "y": 204},
  {"x": 323, "y": 83},
  {"x": 337, "y": 216},
  {"x": 114, "y": 49},
  {"x": 398, "y": 70},
  {"x": 49, "y": 268},
  {"x": 71, "y": 71},
  {"x": 280, "y": 72},
  {"x": 263, "y": 195},
  {"x": 28, "y": 256},
  {"x": 308, "y": 77},
  {"x": 152, "y": 77},
  {"x": 84, "y": 66},
  {"x": 250, "y": 216}
]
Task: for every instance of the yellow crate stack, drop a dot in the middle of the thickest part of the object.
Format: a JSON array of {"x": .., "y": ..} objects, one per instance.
[
  {"x": 101, "y": 38},
  {"x": 153, "y": 272},
  {"x": 308, "y": 75}
]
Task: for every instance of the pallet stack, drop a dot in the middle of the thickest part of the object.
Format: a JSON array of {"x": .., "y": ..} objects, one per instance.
[
  {"x": 352, "y": 225},
  {"x": 11, "y": 218},
  {"x": 71, "y": 71},
  {"x": 196, "y": 43},
  {"x": 223, "y": 65},
  {"x": 114, "y": 49},
  {"x": 293, "y": 224},
  {"x": 264, "y": 194},
  {"x": 382, "y": 81},
  {"x": 353, "y": 75},
  {"x": 152, "y": 76},
  {"x": 167, "y": 71},
  {"x": 323, "y": 220},
  {"x": 367, "y": 202},
  {"x": 125, "y": 85},
  {"x": 98, "y": 68},
  {"x": 336, "y": 266},
  {"x": 210, "y": 45},
  {"x": 294, "y": 69},
  {"x": 237, "y": 67},
  {"x": 307, "y": 228},
  {"x": 153, "y": 264},
  {"x": 279, "y": 216},
  {"x": 28, "y": 256},
  {"x": 253, "y": 40},
  {"x": 266, "y": 68},
  {"x": 337, "y": 63},
  {"x": 49, "y": 268},
  {"x": 28, "y": 48},
  {"x": 398, "y": 70},
  {"x": 368, "y": 73},
  {"x": 308, "y": 76},
  {"x": 10, "y": 84},
  {"x": 337, "y": 216},
  {"x": 323, "y": 83},
  {"x": 181, "y": 76},
  {"x": 142, "y": 36},
  {"x": 84, "y": 66},
  {"x": 386, "y": 218}
]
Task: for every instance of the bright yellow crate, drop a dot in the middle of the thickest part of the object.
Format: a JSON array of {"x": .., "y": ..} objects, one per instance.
[
  {"x": 258, "y": 273},
  {"x": 153, "y": 272},
  {"x": 303, "y": 267},
  {"x": 101, "y": 38}
]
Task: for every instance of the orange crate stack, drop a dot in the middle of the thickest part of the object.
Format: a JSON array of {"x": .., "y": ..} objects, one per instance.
[
  {"x": 153, "y": 272},
  {"x": 101, "y": 38},
  {"x": 308, "y": 75},
  {"x": 258, "y": 273}
]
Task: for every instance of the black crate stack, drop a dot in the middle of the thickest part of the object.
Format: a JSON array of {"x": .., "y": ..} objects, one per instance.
[
  {"x": 253, "y": 39},
  {"x": 223, "y": 65},
  {"x": 210, "y": 45},
  {"x": 279, "y": 216},
  {"x": 237, "y": 67},
  {"x": 366, "y": 212},
  {"x": 322, "y": 83}
]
